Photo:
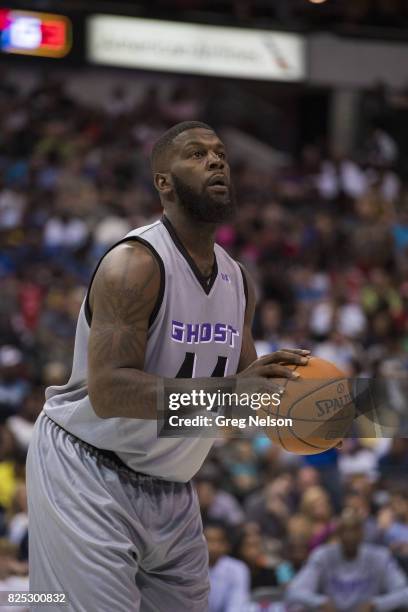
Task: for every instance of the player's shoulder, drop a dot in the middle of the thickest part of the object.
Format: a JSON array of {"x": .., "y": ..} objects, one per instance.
[
  {"x": 130, "y": 257},
  {"x": 145, "y": 232},
  {"x": 135, "y": 251},
  {"x": 129, "y": 264}
]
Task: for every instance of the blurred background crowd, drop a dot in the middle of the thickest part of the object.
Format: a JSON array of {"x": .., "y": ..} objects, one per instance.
[{"x": 324, "y": 234}]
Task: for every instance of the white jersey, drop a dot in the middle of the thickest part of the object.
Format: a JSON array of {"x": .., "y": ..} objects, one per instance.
[{"x": 195, "y": 331}]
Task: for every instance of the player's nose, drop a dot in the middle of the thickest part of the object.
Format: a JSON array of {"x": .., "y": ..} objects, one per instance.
[{"x": 215, "y": 162}]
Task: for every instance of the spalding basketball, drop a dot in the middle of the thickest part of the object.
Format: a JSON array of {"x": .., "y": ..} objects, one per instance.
[{"x": 318, "y": 408}]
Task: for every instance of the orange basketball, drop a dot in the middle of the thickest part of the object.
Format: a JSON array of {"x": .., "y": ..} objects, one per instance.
[{"x": 319, "y": 405}]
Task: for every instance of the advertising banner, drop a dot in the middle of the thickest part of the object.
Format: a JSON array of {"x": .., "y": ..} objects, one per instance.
[{"x": 147, "y": 44}]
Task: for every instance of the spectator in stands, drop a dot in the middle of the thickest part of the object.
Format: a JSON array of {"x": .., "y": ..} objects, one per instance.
[
  {"x": 355, "y": 458},
  {"x": 229, "y": 578},
  {"x": 13, "y": 574},
  {"x": 315, "y": 506},
  {"x": 13, "y": 383},
  {"x": 18, "y": 523},
  {"x": 242, "y": 468},
  {"x": 361, "y": 505},
  {"x": 349, "y": 575},
  {"x": 295, "y": 552},
  {"x": 299, "y": 528},
  {"x": 393, "y": 466},
  {"x": 9, "y": 476},
  {"x": 271, "y": 507},
  {"x": 327, "y": 466},
  {"x": 22, "y": 425},
  {"x": 250, "y": 548},
  {"x": 393, "y": 525},
  {"x": 306, "y": 477},
  {"x": 215, "y": 503}
]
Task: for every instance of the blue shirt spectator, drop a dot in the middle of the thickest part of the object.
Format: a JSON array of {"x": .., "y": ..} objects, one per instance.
[{"x": 229, "y": 578}]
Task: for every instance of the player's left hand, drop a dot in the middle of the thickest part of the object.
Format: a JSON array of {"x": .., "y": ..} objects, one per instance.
[
  {"x": 289, "y": 356},
  {"x": 273, "y": 365}
]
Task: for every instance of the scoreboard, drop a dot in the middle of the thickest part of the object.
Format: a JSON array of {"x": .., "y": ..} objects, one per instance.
[{"x": 35, "y": 33}]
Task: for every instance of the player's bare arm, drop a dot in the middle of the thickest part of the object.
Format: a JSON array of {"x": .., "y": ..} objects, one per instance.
[{"x": 122, "y": 297}]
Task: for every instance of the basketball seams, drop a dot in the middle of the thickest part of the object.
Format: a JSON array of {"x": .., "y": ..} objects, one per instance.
[
  {"x": 288, "y": 438},
  {"x": 333, "y": 428},
  {"x": 294, "y": 405},
  {"x": 291, "y": 428}
]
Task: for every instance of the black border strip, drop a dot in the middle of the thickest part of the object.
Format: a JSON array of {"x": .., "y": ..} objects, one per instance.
[
  {"x": 207, "y": 286},
  {"x": 155, "y": 311}
]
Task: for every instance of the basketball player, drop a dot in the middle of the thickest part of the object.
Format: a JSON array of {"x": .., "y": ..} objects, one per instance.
[{"x": 114, "y": 519}]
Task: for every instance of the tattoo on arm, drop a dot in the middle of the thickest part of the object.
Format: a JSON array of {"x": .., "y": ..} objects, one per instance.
[
  {"x": 125, "y": 290},
  {"x": 119, "y": 325}
]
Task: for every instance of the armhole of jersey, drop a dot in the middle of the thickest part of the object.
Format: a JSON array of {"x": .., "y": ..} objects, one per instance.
[
  {"x": 244, "y": 280},
  {"x": 155, "y": 311}
]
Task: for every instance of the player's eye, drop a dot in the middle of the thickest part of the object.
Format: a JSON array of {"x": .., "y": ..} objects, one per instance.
[
  {"x": 197, "y": 154},
  {"x": 221, "y": 155}
]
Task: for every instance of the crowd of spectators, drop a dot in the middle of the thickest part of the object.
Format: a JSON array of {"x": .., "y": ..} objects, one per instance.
[{"x": 326, "y": 241}]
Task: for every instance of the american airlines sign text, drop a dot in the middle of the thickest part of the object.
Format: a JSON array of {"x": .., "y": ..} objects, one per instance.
[{"x": 194, "y": 48}]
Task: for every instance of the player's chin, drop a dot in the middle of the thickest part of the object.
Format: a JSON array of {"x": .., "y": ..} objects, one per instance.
[
  {"x": 223, "y": 211},
  {"x": 221, "y": 202},
  {"x": 218, "y": 216}
]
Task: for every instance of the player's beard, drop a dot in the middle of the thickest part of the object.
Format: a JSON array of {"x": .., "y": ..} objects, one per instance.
[{"x": 203, "y": 206}]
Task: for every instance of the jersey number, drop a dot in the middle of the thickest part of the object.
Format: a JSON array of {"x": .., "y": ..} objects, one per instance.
[{"x": 187, "y": 367}]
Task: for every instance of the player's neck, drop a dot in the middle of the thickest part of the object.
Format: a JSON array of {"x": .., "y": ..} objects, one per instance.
[{"x": 198, "y": 238}]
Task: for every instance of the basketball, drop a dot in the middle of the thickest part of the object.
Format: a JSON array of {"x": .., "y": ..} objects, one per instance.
[{"x": 320, "y": 406}]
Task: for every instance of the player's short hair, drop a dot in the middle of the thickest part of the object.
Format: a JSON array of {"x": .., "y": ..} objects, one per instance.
[{"x": 165, "y": 141}]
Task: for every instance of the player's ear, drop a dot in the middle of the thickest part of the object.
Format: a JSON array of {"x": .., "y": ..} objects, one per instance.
[{"x": 162, "y": 182}]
